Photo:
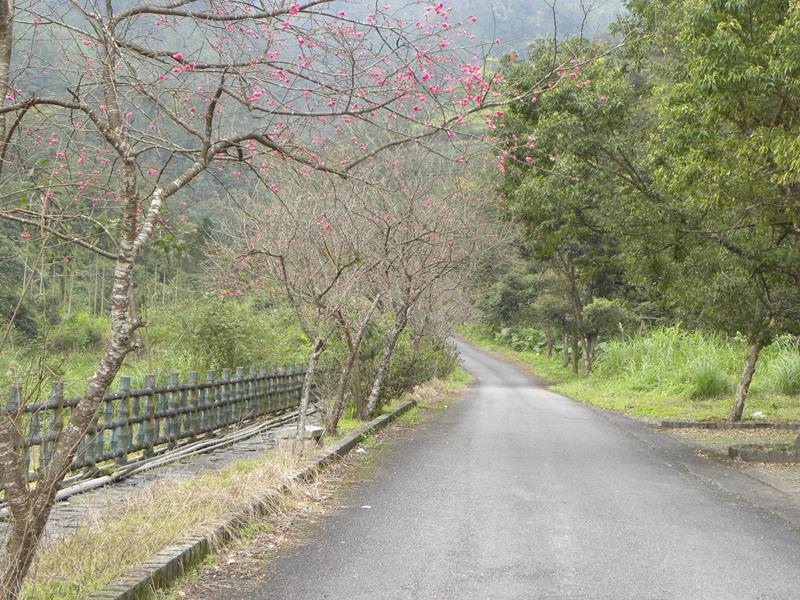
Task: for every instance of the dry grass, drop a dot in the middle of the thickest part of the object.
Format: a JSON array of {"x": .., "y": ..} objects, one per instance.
[
  {"x": 154, "y": 518},
  {"x": 437, "y": 391},
  {"x": 429, "y": 393}
]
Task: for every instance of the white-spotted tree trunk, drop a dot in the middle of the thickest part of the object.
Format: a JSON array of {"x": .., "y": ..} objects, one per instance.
[
  {"x": 317, "y": 348},
  {"x": 30, "y": 508},
  {"x": 743, "y": 387}
]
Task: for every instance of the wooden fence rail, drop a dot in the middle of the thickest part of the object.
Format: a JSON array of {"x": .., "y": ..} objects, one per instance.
[{"x": 142, "y": 422}]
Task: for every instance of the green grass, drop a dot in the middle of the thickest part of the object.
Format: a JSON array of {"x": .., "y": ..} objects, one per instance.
[
  {"x": 347, "y": 424},
  {"x": 670, "y": 373},
  {"x": 411, "y": 416},
  {"x": 196, "y": 336},
  {"x": 457, "y": 380}
]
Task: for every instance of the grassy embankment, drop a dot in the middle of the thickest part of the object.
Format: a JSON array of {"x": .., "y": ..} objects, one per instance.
[{"x": 668, "y": 373}]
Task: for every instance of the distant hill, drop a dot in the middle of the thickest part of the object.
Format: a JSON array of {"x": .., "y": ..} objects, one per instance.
[{"x": 517, "y": 22}]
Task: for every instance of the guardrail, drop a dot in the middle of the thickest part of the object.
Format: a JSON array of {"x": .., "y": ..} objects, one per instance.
[{"x": 139, "y": 423}]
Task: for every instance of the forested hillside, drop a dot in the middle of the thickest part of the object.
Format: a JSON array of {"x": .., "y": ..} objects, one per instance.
[{"x": 518, "y": 22}]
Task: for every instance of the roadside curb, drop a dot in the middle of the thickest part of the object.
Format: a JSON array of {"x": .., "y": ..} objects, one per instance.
[
  {"x": 766, "y": 454},
  {"x": 788, "y": 426},
  {"x": 172, "y": 562}
]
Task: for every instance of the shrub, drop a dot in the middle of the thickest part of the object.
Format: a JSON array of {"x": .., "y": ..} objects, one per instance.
[
  {"x": 432, "y": 358},
  {"x": 222, "y": 333},
  {"x": 79, "y": 331},
  {"x": 523, "y": 339},
  {"x": 707, "y": 380}
]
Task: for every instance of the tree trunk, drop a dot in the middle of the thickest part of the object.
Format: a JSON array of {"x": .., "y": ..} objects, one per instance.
[
  {"x": 383, "y": 368},
  {"x": 548, "y": 341},
  {"x": 588, "y": 353},
  {"x": 30, "y": 509},
  {"x": 308, "y": 381},
  {"x": 575, "y": 354},
  {"x": 565, "y": 352},
  {"x": 744, "y": 382},
  {"x": 334, "y": 412},
  {"x": 331, "y": 416},
  {"x": 359, "y": 402}
]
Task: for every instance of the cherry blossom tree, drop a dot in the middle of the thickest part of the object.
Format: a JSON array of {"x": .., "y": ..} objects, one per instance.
[
  {"x": 309, "y": 253},
  {"x": 110, "y": 111},
  {"x": 423, "y": 229}
]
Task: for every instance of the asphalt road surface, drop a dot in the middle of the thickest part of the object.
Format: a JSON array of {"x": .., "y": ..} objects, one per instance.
[{"x": 516, "y": 492}]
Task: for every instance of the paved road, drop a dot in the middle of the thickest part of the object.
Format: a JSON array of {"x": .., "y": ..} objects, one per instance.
[{"x": 516, "y": 492}]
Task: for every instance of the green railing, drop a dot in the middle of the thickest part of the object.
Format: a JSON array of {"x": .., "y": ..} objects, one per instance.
[{"x": 139, "y": 423}]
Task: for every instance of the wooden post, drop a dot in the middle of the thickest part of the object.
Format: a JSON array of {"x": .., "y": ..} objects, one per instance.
[
  {"x": 225, "y": 406},
  {"x": 240, "y": 394},
  {"x": 35, "y": 432},
  {"x": 172, "y": 407},
  {"x": 202, "y": 416},
  {"x": 271, "y": 390},
  {"x": 251, "y": 403},
  {"x": 290, "y": 386},
  {"x": 162, "y": 422},
  {"x": 150, "y": 425},
  {"x": 108, "y": 417},
  {"x": 56, "y": 421},
  {"x": 136, "y": 411},
  {"x": 192, "y": 418},
  {"x": 281, "y": 383},
  {"x": 121, "y": 431},
  {"x": 87, "y": 448},
  {"x": 210, "y": 403},
  {"x": 261, "y": 389}
]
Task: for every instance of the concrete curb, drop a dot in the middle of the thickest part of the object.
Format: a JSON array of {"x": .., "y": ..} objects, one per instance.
[
  {"x": 172, "y": 562},
  {"x": 765, "y": 454},
  {"x": 727, "y": 425}
]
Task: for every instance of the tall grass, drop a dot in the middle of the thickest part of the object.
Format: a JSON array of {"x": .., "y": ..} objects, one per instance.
[
  {"x": 671, "y": 372},
  {"x": 696, "y": 364},
  {"x": 781, "y": 368}
]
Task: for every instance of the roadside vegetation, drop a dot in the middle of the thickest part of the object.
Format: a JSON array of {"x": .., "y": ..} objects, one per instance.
[
  {"x": 654, "y": 190},
  {"x": 667, "y": 373}
]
